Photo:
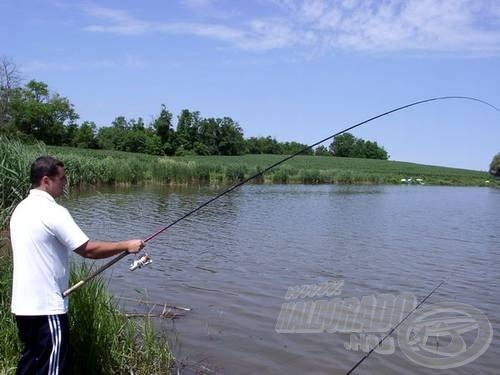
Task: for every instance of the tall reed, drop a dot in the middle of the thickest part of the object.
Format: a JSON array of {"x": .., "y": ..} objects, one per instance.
[
  {"x": 15, "y": 160},
  {"x": 10, "y": 346},
  {"x": 102, "y": 340},
  {"x": 107, "y": 342},
  {"x": 112, "y": 167}
]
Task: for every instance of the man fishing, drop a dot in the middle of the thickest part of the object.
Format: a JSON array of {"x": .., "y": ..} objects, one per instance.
[{"x": 42, "y": 235}]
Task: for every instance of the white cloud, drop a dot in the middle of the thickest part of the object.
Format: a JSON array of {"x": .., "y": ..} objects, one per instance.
[
  {"x": 449, "y": 26},
  {"x": 36, "y": 66},
  {"x": 412, "y": 25},
  {"x": 258, "y": 34},
  {"x": 129, "y": 62},
  {"x": 205, "y": 30},
  {"x": 119, "y": 21},
  {"x": 213, "y": 8},
  {"x": 313, "y": 9},
  {"x": 198, "y": 4}
]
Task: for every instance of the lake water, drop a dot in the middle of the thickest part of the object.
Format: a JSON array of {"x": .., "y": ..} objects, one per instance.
[{"x": 234, "y": 261}]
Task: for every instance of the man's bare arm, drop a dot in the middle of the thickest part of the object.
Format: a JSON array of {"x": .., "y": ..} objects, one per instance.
[{"x": 101, "y": 249}]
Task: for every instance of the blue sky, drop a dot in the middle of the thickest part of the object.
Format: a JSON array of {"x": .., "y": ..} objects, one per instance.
[{"x": 293, "y": 69}]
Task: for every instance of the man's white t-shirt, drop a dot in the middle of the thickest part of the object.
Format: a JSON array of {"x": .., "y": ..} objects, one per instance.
[{"x": 42, "y": 234}]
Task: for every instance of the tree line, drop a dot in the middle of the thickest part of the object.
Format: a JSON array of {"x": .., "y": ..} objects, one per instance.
[
  {"x": 32, "y": 112},
  {"x": 495, "y": 165}
]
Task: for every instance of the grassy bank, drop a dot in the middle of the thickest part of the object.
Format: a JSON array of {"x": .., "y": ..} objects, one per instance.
[
  {"x": 96, "y": 167},
  {"x": 327, "y": 169},
  {"x": 114, "y": 167},
  {"x": 103, "y": 341},
  {"x": 9, "y": 343},
  {"x": 101, "y": 166},
  {"x": 106, "y": 341}
]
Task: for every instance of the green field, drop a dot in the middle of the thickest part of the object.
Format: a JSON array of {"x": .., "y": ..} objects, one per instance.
[
  {"x": 101, "y": 166},
  {"x": 332, "y": 169},
  {"x": 97, "y": 167}
]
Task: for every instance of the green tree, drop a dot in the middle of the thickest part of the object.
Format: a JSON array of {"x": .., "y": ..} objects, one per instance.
[
  {"x": 252, "y": 145},
  {"x": 106, "y": 138},
  {"x": 132, "y": 135},
  {"x": 153, "y": 144},
  {"x": 359, "y": 149},
  {"x": 187, "y": 129},
  {"x": 120, "y": 123},
  {"x": 343, "y": 145},
  {"x": 70, "y": 132},
  {"x": 10, "y": 80},
  {"x": 346, "y": 145},
  {"x": 263, "y": 145},
  {"x": 495, "y": 166},
  {"x": 230, "y": 141},
  {"x": 134, "y": 141},
  {"x": 45, "y": 116},
  {"x": 162, "y": 126},
  {"x": 271, "y": 146},
  {"x": 374, "y": 151},
  {"x": 113, "y": 137},
  {"x": 321, "y": 151},
  {"x": 207, "y": 137},
  {"x": 85, "y": 135},
  {"x": 294, "y": 147},
  {"x": 136, "y": 125}
]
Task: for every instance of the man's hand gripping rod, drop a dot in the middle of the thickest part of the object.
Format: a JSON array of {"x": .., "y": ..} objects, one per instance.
[
  {"x": 107, "y": 265},
  {"x": 97, "y": 272}
]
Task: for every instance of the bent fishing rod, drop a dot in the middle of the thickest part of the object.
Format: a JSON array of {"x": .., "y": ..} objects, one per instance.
[{"x": 146, "y": 259}]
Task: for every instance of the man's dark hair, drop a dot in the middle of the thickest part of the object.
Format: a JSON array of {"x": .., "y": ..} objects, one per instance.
[{"x": 43, "y": 166}]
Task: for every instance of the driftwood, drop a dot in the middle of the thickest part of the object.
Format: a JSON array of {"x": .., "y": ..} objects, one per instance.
[
  {"x": 194, "y": 368},
  {"x": 183, "y": 308},
  {"x": 169, "y": 311},
  {"x": 164, "y": 315}
]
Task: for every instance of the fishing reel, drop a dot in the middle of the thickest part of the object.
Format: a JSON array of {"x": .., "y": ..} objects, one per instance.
[{"x": 141, "y": 262}]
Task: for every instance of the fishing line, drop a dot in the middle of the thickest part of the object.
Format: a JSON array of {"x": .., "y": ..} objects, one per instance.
[
  {"x": 260, "y": 173},
  {"x": 295, "y": 358},
  {"x": 446, "y": 280},
  {"x": 393, "y": 329}
]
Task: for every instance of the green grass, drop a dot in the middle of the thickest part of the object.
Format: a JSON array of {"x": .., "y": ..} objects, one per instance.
[
  {"x": 326, "y": 169},
  {"x": 103, "y": 166},
  {"x": 103, "y": 341},
  {"x": 96, "y": 167},
  {"x": 10, "y": 346},
  {"x": 107, "y": 342},
  {"x": 15, "y": 160}
]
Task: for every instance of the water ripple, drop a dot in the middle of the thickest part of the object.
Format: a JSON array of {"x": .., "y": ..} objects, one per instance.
[{"x": 235, "y": 260}]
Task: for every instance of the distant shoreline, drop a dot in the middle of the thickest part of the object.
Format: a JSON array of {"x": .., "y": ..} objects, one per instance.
[{"x": 115, "y": 167}]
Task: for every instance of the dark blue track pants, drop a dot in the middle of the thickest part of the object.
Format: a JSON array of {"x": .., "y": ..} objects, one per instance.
[{"x": 45, "y": 342}]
